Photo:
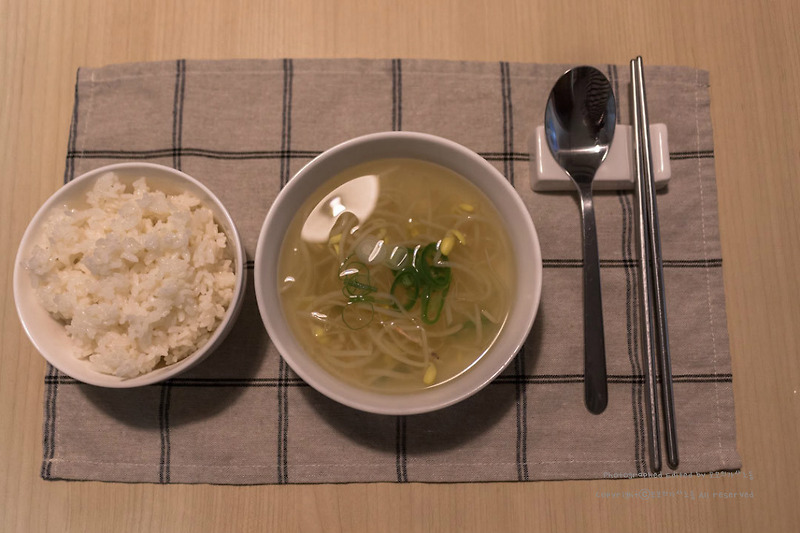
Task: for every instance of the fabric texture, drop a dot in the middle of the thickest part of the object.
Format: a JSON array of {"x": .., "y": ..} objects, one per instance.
[{"x": 244, "y": 127}]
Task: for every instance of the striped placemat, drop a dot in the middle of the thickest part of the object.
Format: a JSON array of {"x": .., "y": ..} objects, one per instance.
[{"x": 244, "y": 127}]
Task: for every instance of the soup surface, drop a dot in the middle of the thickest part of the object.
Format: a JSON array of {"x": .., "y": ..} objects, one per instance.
[{"x": 396, "y": 275}]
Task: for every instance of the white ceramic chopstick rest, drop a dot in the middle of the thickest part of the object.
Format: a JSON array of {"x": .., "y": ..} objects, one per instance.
[{"x": 616, "y": 172}]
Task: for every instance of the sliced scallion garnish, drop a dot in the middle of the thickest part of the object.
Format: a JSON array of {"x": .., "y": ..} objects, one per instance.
[{"x": 406, "y": 280}]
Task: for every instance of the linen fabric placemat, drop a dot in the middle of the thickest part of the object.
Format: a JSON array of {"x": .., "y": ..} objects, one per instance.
[{"x": 244, "y": 127}]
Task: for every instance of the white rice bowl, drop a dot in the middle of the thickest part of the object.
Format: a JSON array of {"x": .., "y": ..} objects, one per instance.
[{"x": 141, "y": 277}]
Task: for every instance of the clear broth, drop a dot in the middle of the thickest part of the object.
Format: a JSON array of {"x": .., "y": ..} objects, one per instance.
[{"x": 342, "y": 308}]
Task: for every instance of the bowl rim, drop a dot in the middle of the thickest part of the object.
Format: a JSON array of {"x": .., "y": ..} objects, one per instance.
[
  {"x": 311, "y": 176},
  {"x": 21, "y": 280}
]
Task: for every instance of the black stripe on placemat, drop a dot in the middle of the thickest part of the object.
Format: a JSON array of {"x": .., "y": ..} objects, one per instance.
[
  {"x": 285, "y": 429},
  {"x": 282, "y": 385},
  {"x": 505, "y": 156},
  {"x": 166, "y": 393},
  {"x": 185, "y": 151},
  {"x": 163, "y": 424},
  {"x": 630, "y": 262},
  {"x": 702, "y": 378},
  {"x": 614, "y": 81},
  {"x": 616, "y": 91},
  {"x": 62, "y": 379},
  {"x": 635, "y": 379},
  {"x": 286, "y": 128},
  {"x": 69, "y": 168},
  {"x": 693, "y": 263},
  {"x": 284, "y": 381},
  {"x": 48, "y": 428},
  {"x": 521, "y": 393},
  {"x": 542, "y": 379},
  {"x": 631, "y": 303},
  {"x": 538, "y": 379},
  {"x": 52, "y": 377},
  {"x": 696, "y": 154},
  {"x": 401, "y": 439},
  {"x": 196, "y": 152},
  {"x": 292, "y": 154},
  {"x": 631, "y": 328},
  {"x": 397, "y": 95},
  {"x": 177, "y": 112},
  {"x": 522, "y": 418},
  {"x": 401, "y": 453},
  {"x": 508, "y": 121},
  {"x": 283, "y": 369}
]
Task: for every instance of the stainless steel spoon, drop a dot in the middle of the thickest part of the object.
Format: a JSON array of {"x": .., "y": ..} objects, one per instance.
[{"x": 579, "y": 125}]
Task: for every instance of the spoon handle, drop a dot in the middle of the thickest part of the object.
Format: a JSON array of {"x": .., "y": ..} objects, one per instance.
[{"x": 595, "y": 383}]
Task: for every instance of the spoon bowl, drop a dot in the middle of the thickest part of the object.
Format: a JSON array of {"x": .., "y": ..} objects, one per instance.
[{"x": 579, "y": 126}]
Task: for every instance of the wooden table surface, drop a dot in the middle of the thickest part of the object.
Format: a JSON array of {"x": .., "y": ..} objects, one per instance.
[{"x": 752, "y": 50}]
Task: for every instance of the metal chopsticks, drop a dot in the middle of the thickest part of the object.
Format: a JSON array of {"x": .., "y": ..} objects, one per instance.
[{"x": 654, "y": 313}]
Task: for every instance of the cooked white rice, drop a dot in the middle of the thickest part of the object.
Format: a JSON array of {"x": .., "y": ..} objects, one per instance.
[{"x": 138, "y": 276}]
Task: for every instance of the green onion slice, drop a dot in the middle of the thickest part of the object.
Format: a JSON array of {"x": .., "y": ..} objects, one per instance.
[
  {"x": 357, "y": 314},
  {"x": 406, "y": 280},
  {"x": 355, "y": 280},
  {"x": 432, "y": 304},
  {"x": 437, "y": 276}
]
